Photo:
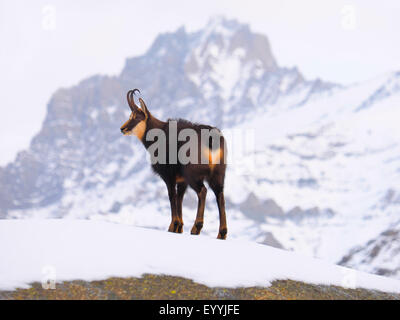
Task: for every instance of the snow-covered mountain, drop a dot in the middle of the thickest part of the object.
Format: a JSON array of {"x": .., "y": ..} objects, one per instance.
[
  {"x": 380, "y": 255},
  {"x": 314, "y": 175},
  {"x": 336, "y": 154}
]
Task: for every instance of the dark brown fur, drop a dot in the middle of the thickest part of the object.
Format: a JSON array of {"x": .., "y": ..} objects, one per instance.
[{"x": 178, "y": 177}]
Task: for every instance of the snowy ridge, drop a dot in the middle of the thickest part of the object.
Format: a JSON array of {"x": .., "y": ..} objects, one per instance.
[{"x": 97, "y": 250}]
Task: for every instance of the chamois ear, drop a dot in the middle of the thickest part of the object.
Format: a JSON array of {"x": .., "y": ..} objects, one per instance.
[{"x": 144, "y": 107}]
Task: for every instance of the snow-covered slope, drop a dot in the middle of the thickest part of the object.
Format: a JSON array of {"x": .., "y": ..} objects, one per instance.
[
  {"x": 379, "y": 255},
  {"x": 333, "y": 155},
  {"x": 87, "y": 250},
  {"x": 318, "y": 173}
]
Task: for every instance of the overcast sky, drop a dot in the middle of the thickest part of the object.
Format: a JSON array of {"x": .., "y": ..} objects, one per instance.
[{"x": 50, "y": 44}]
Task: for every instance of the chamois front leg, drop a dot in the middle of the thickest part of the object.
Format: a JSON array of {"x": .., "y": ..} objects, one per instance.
[
  {"x": 198, "y": 224},
  {"x": 176, "y": 222}
]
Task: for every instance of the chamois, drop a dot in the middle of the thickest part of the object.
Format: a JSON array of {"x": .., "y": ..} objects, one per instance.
[{"x": 178, "y": 174}]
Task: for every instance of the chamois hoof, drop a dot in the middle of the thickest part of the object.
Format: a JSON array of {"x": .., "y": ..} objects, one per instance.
[
  {"x": 176, "y": 227},
  {"x": 180, "y": 228},
  {"x": 222, "y": 234},
  {"x": 196, "y": 228}
]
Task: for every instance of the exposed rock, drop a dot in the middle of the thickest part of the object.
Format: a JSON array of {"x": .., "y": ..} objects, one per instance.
[
  {"x": 258, "y": 210},
  {"x": 390, "y": 198},
  {"x": 271, "y": 241},
  {"x": 298, "y": 214},
  {"x": 155, "y": 287},
  {"x": 380, "y": 255}
]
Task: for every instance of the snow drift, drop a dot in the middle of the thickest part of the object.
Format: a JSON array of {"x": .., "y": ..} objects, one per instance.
[{"x": 95, "y": 250}]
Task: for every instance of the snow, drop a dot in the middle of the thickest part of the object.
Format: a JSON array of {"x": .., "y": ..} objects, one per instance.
[
  {"x": 94, "y": 114},
  {"x": 95, "y": 250},
  {"x": 111, "y": 110}
]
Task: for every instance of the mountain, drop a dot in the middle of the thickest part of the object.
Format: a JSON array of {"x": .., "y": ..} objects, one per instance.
[
  {"x": 379, "y": 255},
  {"x": 337, "y": 154},
  {"x": 182, "y": 74},
  {"x": 311, "y": 162},
  {"x": 94, "y": 251}
]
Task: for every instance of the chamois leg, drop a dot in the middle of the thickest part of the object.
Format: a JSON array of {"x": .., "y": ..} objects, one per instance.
[
  {"x": 223, "y": 229},
  {"x": 176, "y": 224},
  {"x": 201, "y": 191},
  {"x": 218, "y": 189},
  {"x": 181, "y": 189}
]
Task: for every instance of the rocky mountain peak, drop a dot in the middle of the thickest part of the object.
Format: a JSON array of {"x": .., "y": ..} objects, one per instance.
[{"x": 228, "y": 50}]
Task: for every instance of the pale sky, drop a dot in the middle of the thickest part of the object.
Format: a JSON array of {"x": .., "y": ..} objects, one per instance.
[{"x": 50, "y": 44}]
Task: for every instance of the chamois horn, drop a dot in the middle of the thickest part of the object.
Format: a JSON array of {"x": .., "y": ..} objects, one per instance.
[{"x": 131, "y": 101}]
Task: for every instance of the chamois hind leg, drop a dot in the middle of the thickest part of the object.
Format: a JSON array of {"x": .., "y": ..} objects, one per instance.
[
  {"x": 181, "y": 189},
  {"x": 176, "y": 223},
  {"x": 201, "y": 191},
  {"x": 216, "y": 183}
]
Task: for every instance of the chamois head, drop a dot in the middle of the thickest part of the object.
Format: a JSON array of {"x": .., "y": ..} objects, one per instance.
[{"x": 137, "y": 122}]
